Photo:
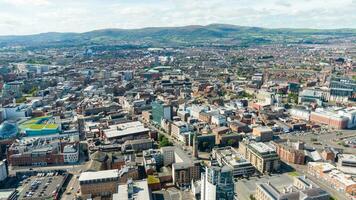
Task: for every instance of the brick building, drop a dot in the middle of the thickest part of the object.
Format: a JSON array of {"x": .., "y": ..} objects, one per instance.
[
  {"x": 101, "y": 183},
  {"x": 290, "y": 152}
]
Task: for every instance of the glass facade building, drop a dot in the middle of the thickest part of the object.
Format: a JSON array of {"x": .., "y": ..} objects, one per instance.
[
  {"x": 217, "y": 183},
  {"x": 161, "y": 111}
]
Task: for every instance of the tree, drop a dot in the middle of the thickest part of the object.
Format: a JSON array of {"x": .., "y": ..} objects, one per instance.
[
  {"x": 293, "y": 98},
  {"x": 163, "y": 142},
  {"x": 231, "y": 142}
]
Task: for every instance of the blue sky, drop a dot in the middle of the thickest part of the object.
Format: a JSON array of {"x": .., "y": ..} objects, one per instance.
[{"x": 19, "y": 17}]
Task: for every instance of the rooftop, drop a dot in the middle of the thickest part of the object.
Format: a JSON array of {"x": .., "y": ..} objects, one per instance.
[
  {"x": 124, "y": 129},
  {"x": 323, "y": 166},
  {"x": 261, "y": 147},
  {"x": 104, "y": 174},
  {"x": 139, "y": 191},
  {"x": 232, "y": 156}
]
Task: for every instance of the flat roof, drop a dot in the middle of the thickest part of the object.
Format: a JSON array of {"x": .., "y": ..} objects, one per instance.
[
  {"x": 140, "y": 191},
  {"x": 261, "y": 147},
  {"x": 348, "y": 157},
  {"x": 322, "y": 166},
  {"x": 125, "y": 129},
  {"x": 341, "y": 177},
  {"x": 104, "y": 174},
  {"x": 232, "y": 156}
]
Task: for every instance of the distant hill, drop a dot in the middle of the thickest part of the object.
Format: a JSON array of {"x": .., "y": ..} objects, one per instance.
[{"x": 214, "y": 34}]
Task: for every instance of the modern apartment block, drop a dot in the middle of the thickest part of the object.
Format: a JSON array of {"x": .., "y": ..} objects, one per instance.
[
  {"x": 228, "y": 156},
  {"x": 262, "y": 156},
  {"x": 217, "y": 183}
]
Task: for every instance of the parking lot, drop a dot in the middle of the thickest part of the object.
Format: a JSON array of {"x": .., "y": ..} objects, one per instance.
[
  {"x": 323, "y": 138},
  {"x": 42, "y": 186}
]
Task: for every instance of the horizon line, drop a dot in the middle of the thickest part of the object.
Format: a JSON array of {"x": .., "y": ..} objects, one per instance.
[{"x": 182, "y": 26}]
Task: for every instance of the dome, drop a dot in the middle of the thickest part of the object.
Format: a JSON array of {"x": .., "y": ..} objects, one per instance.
[{"x": 8, "y": 130}]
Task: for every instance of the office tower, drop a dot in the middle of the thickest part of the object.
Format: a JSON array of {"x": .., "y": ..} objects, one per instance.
[{"x": 161, "y": 111}]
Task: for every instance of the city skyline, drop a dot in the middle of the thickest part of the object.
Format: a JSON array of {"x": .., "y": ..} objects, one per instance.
[{"x": 23, "y": 17}]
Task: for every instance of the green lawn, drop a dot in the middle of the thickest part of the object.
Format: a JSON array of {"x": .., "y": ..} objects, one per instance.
[{"x": 294, "y": 173}]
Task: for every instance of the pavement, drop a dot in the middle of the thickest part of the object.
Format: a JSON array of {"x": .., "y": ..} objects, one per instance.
[{"x": 70, "y": 194}]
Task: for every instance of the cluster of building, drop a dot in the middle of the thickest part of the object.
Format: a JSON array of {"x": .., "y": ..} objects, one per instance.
[
  {"x": 302, "y": 188},
  {"x": 140, "y": 120},
  {"x": 337, "y": 179}
]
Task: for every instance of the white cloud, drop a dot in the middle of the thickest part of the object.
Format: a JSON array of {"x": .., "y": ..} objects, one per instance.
[
  {"x": 26, "y": 2},
  {"x": 35, "y": 16}
]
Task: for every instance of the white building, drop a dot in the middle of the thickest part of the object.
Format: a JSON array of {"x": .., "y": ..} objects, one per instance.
[
  {"x": 70, "y": 154},
  {"x": 16, "y": 111},
  {"x": 133, "y": 190},
  {"x": 218, "y": 120},
  {"x": 180, "y": 130},
  {"x": 300, "y": 114},
  {"x": 228, "y": 156},
  {"x": 349, "y": 113},
  {"x": 125, "y": 130},
  {"x": 195, "y": 110}
]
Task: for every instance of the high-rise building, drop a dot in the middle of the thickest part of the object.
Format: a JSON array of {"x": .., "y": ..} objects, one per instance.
[
  {"x": 217, "y": 183},
  {"x": 161, "y": 111}
]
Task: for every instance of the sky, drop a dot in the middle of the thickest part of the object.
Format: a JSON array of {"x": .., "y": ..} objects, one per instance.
[{"x": 22, "y": 17}]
